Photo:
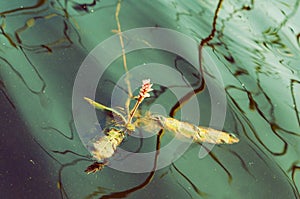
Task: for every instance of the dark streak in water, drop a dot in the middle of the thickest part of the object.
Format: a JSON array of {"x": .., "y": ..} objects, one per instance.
[
  {"x": 67, "y": 17},
  {"x": 290, "y": 15},
  {"x": 38, "y": 4},
  {"x": 252, "y": 142},
  {"x": 71, "y": 137},
  {"x": 63, "y": 166},
  {"x": 72, "y": 152},
  {"x": 86, "y": 158},
  {"x": 84, "y": 6},
  {"x": 47, "y": 48},
  {"x": 58, "y": 131},
  {"x": 251, "y": 100},
  {"x": 185, "y": 190},
  {"x": 117, "y": 86},
  {"x": 230, "y": 59},
  {"x": 241, "y": 71},
  {"x": 295, "y": 106},
  {"x": 31, "y": 22},
  {"x": 195, "y": 74},
  {"x": 60, "y": 186},
  {"x": 206, "y": 40},
  {"x": 59, "y": 183},
  {"x": 294, "y": 188},
  {"x": 263, "y": 159},
  {"x": 272, "y": 123},
  {"x": 200, "y": 193},
  {"x": 201, "y": 87},
  {"x": 248, "y": 137},
  {"x": 20, "y": 76},
  {"x": 294, "y": 169},
  {"x": 66, "y": 28},
  {"x": 178, "y": 14},
  {"x": 3, "y": 89},
  {"x": 214, "y": 157},
  {"x": 99, "y": 191},
  {"x": 243, "y": 163},
  {"x": 274, "y": 127},
  {"x": 42, "y": 90},
  {"x": 10, "y": 40},
  {"x": 183, "y": 100},
  {"x": 250, "y": 126},
  {"x": 157, "y": 93}
]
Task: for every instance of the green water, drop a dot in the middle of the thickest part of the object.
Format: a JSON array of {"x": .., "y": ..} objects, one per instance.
[{"x": 255, "y": 47}]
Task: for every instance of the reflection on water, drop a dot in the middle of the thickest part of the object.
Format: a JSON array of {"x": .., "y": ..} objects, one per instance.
[{"x": 256, "y": 49}]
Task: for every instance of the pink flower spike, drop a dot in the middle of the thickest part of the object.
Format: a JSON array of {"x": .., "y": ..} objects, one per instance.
[
  {"x": 147, "y": 95},
  {"x": 146, "y": 88},
  {"x": 146, "y": 81},
  {"x": 144, "y": 92}
]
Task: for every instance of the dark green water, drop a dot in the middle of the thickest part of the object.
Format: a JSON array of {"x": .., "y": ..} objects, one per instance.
[{"x": 255, "y": 46}]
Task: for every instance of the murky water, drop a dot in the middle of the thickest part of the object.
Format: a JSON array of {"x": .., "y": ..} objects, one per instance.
[{"x": 255, "y": 46}]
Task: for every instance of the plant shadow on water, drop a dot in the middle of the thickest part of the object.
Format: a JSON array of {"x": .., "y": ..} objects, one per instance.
[{"x": 43, "y": 44}]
